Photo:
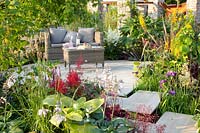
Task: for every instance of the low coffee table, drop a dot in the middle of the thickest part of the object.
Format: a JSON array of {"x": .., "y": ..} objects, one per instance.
[{"x": 89, "y": 55}]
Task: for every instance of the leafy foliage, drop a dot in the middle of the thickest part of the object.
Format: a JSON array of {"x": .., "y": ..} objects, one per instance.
[
  {"x": 73, "y": 110},
  {"x": 179, "y": 56},
  {"x": 133, "y": 35}
]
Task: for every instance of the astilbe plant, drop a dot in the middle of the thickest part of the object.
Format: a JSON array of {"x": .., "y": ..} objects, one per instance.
[
  {"x": 73, "y": 80},
  {"x": 57, "y": 83}
]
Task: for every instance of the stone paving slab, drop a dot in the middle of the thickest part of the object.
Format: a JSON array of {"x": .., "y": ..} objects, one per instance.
[
  {"x": 146, "y": 127},
  {"x": 177, "y": 123},
  {"x": 141, "y": 102},
  {"x": 125, "y": 91}
]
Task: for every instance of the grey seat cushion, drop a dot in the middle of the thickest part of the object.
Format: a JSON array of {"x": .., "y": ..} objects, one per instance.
[
  {"x": 87, "y": 34},
  {"x": 57, "y": 35},
  {"x": 94, "y": 44},
  {"x": 68, "y": 36},
  {"x": 56, "y": 45}
]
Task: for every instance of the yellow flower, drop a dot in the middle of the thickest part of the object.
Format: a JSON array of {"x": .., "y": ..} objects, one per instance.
[
  {"x": 174, "y": 18},
  {"x": 6, "y": 41},
  {"x": 142, "y": 22},
  {"x": 188, "y": 26},
  {"x": 177, "y": 52}
]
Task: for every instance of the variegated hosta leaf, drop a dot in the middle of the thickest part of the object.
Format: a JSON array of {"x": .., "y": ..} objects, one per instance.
[
  {"x": 75, "y": 116},
  {"x": 92, "y": 105},
  {"x": 57, "y": 119}
]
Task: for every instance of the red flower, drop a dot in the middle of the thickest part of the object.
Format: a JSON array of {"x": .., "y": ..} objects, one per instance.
[
  {"x": 73, "y": 80},
  {"x": 59, "y": 85}
]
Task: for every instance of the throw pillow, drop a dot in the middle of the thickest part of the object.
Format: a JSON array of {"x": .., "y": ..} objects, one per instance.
[
  {"x": 57, "y": 34},
  {"x": 87, "y": 35},
  {"x": 68, "y": 36}
]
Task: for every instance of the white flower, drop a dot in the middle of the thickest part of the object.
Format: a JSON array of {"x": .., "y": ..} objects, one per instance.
[
  {"x": 58, "y": 108},
  {"x": 43, "y": 112},
  {"x": 121, "y": 85},
  {"x": 2, "y": 100},
  {"x": 11, "y": 80},
  {"x": 57, "y": 119}
]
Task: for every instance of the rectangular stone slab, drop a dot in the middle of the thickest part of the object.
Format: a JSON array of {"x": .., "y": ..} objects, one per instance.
[
  {"x": 125, "y": 91},
  {"x": 177, "y": 123},
  {"x": 146, "y": 127},
  {"x": 141, "y": 102}
]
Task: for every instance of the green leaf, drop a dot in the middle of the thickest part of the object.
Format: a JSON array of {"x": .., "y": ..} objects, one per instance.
[
  {"x": 119, "y": 121},
  {"x": 74, "y": 116},
  {"x": 2, "y": 124},
  {"x": 81, "y": 100},
  {"x": 16, "y": 130},
  {"x": 123, "y": 129},
  {"x": 188, "y": 41},
  {"x": 86, "y": 128},
  {"x": 50, "y": 100},
  {"x": 79, "y": 103},
  {"x": 68, "y": 110},
  {"x": 57, "y": 119},
  {"x": 185, "y": 49},
  {"x": 92, "y": 105},
  {"x": 66, "y": 101}
]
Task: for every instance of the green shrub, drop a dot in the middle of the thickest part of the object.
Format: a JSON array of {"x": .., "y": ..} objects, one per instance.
[{"x": 134, "y": 37}]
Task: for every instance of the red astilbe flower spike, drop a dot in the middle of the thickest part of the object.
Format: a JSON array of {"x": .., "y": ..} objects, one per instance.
[
  {"x": 59, "y": 85},
  {"x": 73, "y": 79}
]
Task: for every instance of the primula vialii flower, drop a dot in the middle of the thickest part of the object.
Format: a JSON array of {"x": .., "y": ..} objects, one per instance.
[{"x": 73, "y": 79}]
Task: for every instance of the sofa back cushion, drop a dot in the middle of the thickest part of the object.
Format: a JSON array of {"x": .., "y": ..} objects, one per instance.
[
  {"x": 87, "y": 35},
  {"x": 68, "y": 36},
  {"x": 57, "y": 34}
]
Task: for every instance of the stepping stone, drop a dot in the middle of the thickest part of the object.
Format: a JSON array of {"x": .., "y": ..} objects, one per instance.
[
  {"x": 146, "y": 127},
  {"x": 141, "y": 102},
  {"x": 125, "y": 91},
  {"x": 177, "y": 123}
]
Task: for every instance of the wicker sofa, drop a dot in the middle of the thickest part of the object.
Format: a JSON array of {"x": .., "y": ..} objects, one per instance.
[{"x": 54, "y": 51}]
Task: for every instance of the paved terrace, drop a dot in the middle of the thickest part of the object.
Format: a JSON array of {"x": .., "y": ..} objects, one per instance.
[{"x": 121, "y": 69}]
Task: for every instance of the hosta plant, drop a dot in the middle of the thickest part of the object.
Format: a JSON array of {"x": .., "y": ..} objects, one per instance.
[{"x": 70, "y": 115}]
